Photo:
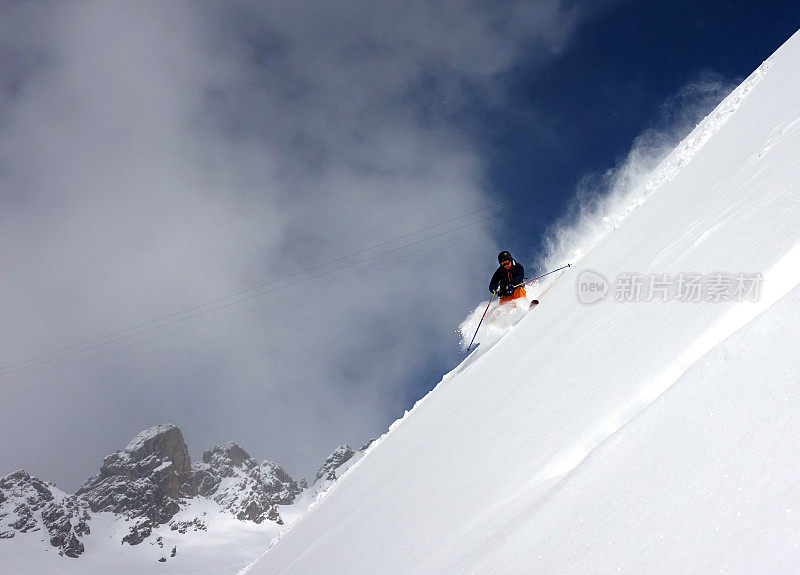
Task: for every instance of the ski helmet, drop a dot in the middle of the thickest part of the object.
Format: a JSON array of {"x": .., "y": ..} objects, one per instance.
[{"x": 504, "y": 256}]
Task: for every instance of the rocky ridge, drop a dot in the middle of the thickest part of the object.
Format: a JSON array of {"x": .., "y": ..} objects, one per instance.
[
  {"x": 250, "y": 491},
  {"x": 338, "y": 462},
  {"x": 28, "y": 505},
  {"x": 149, "y": 482},
  {"x": 144, "y": 482}
]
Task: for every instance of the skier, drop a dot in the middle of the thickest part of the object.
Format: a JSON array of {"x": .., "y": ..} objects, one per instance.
[{"x": 508, "y": 280}]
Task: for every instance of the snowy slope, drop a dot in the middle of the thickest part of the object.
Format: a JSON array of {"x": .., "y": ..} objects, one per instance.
[{"x": 647, "y": 437}]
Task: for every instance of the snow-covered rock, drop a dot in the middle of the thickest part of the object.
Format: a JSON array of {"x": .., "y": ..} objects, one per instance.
[
  {"x": 218, "y": 514},
  {"x": 239, "y": 484},
  {"x": 335, "y": 460},
  {"x": 29, "y": 505},
  {"x": 337, "y": 463},
  {"x": 144, "y": 482}
]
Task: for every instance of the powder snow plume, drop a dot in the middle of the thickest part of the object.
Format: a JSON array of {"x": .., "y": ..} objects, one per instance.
[
  {"x": 603, "y": 201},
  {"x": 499, "y": 319}
]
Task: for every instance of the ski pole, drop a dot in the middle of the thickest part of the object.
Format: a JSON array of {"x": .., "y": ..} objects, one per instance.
[
  {"x": 480, "y": 322},
  {"x": 526, "y": 282},
  {"x": 541, "y": 276}
]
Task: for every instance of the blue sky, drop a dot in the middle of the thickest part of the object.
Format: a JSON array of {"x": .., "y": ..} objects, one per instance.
[
  {"x": 610, "y": 85},
  {"x": 181, "y": 182}
]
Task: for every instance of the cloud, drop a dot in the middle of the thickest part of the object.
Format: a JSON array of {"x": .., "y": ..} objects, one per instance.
[{"x": 157, "y": 156}]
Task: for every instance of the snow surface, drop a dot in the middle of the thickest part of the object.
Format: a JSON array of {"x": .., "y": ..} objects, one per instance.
[{"x": 649, "y": 437}]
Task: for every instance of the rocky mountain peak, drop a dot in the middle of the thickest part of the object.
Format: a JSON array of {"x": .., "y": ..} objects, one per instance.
[
  {"x": 20, "y": 497},
  {"x": 225, "y": 459},
  {"x": 338, "y": 462},
  {"x": 236, "y": 481},
  {"x": 335, "y": 460},
  {"x": 165, "y": 442},
  {"x": 144, "y": 481},
  {"x": 148, "y": 482},
  {"x": 28, "y": 504}
]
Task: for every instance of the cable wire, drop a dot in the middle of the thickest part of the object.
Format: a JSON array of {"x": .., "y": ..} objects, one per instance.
[
  {"x": 401, "y": 258},
  {"x": 109, "y": 338}
]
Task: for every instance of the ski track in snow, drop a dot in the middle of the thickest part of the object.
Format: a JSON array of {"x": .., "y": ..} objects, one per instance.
[{"x": 778, "y": 281}]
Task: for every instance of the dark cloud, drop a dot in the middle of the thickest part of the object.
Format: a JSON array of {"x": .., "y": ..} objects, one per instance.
[{"x": 157, "y": 156}]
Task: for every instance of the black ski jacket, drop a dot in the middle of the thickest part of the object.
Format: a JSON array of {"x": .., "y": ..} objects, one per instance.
[{"x": 507, "y": 279}]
